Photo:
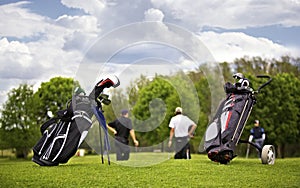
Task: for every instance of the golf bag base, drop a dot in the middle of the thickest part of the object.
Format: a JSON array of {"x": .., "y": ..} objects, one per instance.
[
  {"x": 42, "y": 162},
  {"x": 62, "y": 135},
  {"x": 223, "y": 157}
]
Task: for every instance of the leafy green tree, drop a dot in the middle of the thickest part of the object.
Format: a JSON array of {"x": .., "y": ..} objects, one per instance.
[
  {"x": 149, "y": 113},
  {"x": 133, "y": 90},
  {"x": 3, "y": 142},
  {"x": 156, "y": 103},
  {"x": 204, "y": 96},
  {"x": 252, "y": 66},
  {"x": 53, "y": 96},
  {"x": 257, "y": 65},
  {"x": 285, "y": 65},
  {"x": 18, "y": 126}
]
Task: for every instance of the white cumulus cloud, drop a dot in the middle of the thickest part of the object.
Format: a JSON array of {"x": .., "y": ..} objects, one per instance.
[
  {"x": 230, "y": 13},
  {"x": 93, "y": 7},
  {"x": 231, "y": 45},
  {"x": 154, "y": 15},
  {"x": 16, "y": 21}
]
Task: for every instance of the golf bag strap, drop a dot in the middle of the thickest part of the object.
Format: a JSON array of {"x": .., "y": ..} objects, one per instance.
[
  {"x": 47, "y": 124},
  {"x": 81, "y": 114}
]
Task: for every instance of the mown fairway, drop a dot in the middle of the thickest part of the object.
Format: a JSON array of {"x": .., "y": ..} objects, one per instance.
[{"x": 198, "y": 172}]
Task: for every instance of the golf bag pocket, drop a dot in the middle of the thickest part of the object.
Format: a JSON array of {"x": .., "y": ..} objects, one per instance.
[{"x": 61, "y": 137}]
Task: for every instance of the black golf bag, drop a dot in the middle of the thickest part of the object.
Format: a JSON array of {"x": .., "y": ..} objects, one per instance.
[
  {"x": 63, "y": 134},
  {"x": 225, "y": 129}
]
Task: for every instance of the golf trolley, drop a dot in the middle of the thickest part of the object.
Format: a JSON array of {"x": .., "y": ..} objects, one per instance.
[{"x": 224, "y": 131}]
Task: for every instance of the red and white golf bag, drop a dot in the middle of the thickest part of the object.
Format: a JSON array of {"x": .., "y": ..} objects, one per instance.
[{"x": 225, "y": 129}]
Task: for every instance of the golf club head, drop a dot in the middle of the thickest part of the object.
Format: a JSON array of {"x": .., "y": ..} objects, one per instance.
[{"x": 238, "y": 76}]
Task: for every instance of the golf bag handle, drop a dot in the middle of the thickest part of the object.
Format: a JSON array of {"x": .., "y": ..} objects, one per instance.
[
  {"x": 47, "y": 124},
  {"x": 266, "y": 83},
  {"x": 252, "y": 144}
]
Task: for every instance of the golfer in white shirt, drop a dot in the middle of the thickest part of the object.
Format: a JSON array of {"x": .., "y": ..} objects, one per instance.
[{"x": 182, "y": 127}]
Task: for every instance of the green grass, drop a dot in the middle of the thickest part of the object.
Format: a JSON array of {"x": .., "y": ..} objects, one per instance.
[{"x": 198, "y": 172}]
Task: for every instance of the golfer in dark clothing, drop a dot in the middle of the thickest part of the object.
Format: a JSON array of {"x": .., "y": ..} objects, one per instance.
[
  {"x": 258, "y": 134},
  {"x": 122, "y": 128}
]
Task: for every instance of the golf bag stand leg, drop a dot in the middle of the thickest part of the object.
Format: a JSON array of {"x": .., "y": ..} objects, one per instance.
[{"x": 101, "y": 147}]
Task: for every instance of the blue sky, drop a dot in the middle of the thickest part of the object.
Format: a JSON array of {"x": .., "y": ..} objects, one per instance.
[
  {"x": 40, "y": 39},
  {"x": 49, "y": 8}
]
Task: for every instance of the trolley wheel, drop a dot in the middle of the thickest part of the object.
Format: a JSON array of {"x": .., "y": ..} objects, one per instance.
[{"x": 268, "y": 155}]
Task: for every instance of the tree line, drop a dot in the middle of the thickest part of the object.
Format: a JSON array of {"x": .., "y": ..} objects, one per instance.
[{"x": 152, "y": 103}]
